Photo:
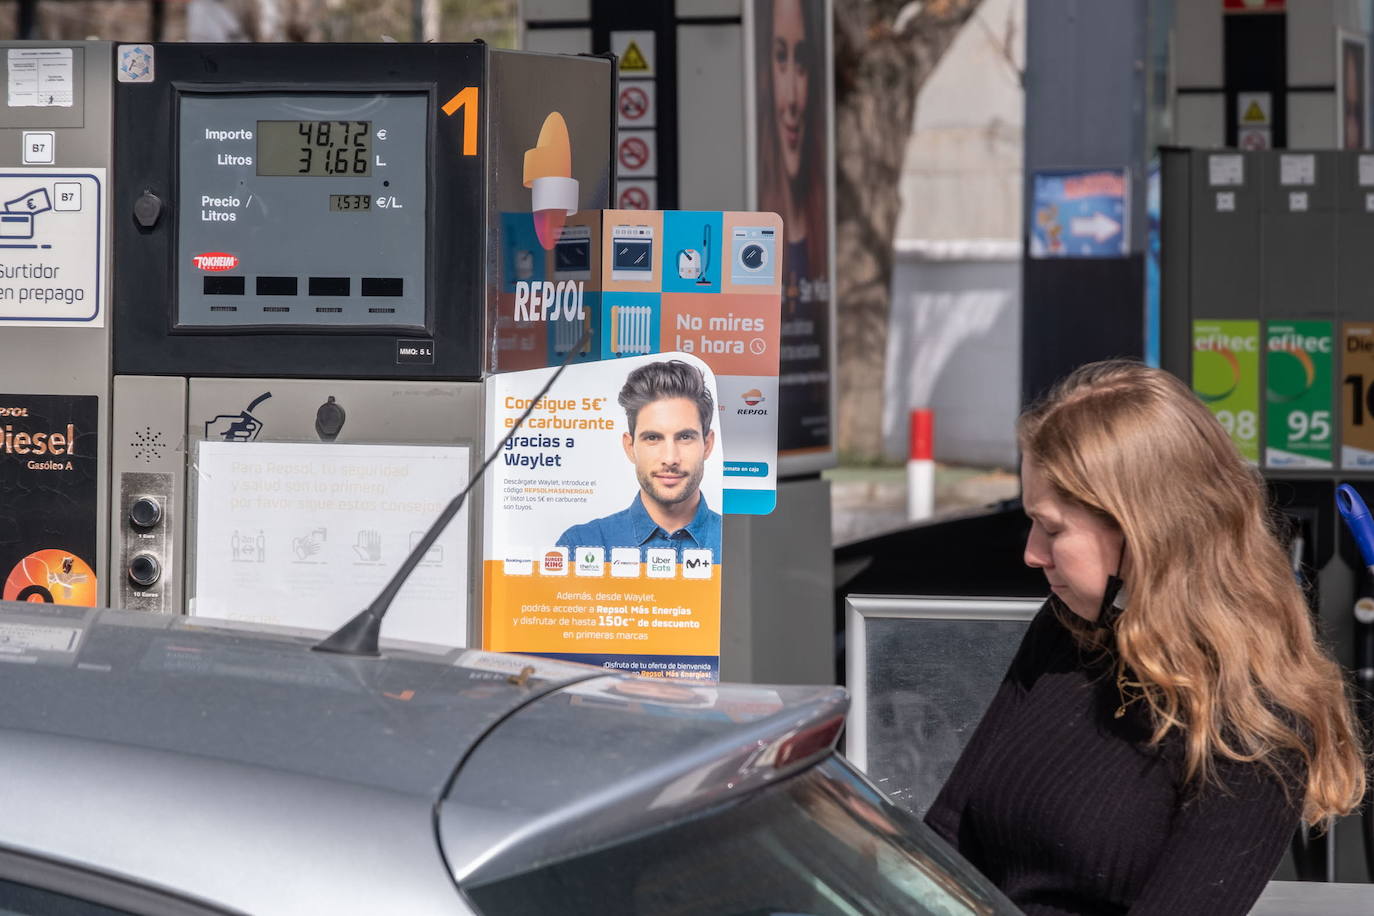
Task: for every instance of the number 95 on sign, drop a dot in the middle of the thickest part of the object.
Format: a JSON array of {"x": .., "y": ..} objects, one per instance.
[{"x": 1309, "y": 427}]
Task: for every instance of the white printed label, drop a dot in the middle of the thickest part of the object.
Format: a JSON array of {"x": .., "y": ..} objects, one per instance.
[
  {"x": 662, "y": 562},
  {"x": 696, "y": 564},
  {"x": 518, "y": 562},
  {"x": 1225, "y": 169},
  {"x": 625, "y": 562},
  {"x": 1226, "y": 201},
  {"x": 590, "y": 561},
  {"x": 40, "y": 78},
  {"x": 1366, "y": 170},
  {"x": 1297, "y": 169}
]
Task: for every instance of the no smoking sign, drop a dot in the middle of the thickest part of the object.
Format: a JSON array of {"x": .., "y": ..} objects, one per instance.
[
  {"x": 637, "y": 194},
  {"x": 635, "y": 105},
  {"x": 635, "y": 154}
]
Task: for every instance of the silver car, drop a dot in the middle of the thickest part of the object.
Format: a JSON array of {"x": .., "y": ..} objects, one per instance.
[{"x": 175, "y": 765}]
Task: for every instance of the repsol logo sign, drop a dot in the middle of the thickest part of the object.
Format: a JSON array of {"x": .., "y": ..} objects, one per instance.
[
  {"x": 14, "y": 411},
  {"x": 540, "y": 300}
]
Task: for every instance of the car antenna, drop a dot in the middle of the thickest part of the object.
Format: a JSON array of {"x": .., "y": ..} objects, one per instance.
[{"x": 360, "y": 635}]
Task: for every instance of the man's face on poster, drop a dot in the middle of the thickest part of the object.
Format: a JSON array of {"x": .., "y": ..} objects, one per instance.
[{"x": 668, "y": 450}]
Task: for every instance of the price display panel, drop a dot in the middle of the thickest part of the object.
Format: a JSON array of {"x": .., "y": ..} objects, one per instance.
[
  {"x": 322, "y": 148},
  {"x": 302, "y": 210}
]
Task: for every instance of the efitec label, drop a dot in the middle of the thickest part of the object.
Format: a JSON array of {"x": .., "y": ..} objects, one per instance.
[
  {"x": 1226, "y": 378},
  {"x": 215, "y": 260},
  {"x": 1298, "y": 359}
]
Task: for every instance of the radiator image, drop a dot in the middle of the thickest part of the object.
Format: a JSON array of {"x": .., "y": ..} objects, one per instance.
[
  {"x": 631, "y": 329},
  {"x": 566, "y": 334}
]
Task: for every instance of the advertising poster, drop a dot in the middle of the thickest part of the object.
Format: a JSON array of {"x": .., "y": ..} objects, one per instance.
[
  {"x": 792, "y": 177},
  {"x": 1298, "y": 367},
  {"x": 48, "y": 446},
  {"x": 602, "y": 533},
  {"x": 1357, "y": 396},
  {"x": 706, "y": 283},
  {"x": 307, "y": 534},
  {"x": 1080, "y": 214},
  {"x": 1153, "y": 241},
  {"x": 1353, "y": 55},
  {"x": 1226, "y": 379}
]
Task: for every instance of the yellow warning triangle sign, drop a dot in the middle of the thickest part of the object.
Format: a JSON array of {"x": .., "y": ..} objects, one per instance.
[
  {"x": 633, "y": 59},
  {"x": 1253, "y": 115}
]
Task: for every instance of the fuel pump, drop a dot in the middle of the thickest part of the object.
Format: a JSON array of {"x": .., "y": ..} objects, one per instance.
[
  {"x": 55, "y": 320},
  {"x": 305, "y": 234}
]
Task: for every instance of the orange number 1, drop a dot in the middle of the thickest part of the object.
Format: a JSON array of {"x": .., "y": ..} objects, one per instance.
[{"x": 466, "y": 100}]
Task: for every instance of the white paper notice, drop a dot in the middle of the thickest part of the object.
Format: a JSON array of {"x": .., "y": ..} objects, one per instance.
[
  {"x": 1225, "y": 169},
  {"x": 306, "y": 534},
  {"x": 1297, "y": 169},
  {"x": 1366, "y": 170},
  {"x": 40, "y": 77}
]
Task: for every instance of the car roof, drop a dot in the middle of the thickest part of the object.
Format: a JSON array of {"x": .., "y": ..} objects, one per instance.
[{"x": 259, "y": 697}]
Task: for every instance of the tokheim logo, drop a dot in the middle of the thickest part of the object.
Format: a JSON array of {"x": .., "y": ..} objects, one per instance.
[
  {"x": 752, "y": 396},
  {"x": 215, "y": 260}
]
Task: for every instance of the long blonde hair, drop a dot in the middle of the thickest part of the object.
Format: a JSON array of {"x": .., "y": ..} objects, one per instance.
[{"x": 1216, "y": 631}]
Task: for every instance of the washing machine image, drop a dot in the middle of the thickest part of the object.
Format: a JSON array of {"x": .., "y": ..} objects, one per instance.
[{"x": 753, "y": 255}]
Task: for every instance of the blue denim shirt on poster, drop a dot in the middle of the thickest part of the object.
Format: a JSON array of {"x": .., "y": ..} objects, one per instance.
[{"x": 633, "y": 527}]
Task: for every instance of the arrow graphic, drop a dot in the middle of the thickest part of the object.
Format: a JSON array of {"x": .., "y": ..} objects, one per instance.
[{"x": 1100, "y": 226}]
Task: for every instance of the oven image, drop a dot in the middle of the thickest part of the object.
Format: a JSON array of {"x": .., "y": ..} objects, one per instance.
[
  {"x": 572, "y": 254},
  {"x": 753, "y": 255},
  {"x": 632, "y": 253}
]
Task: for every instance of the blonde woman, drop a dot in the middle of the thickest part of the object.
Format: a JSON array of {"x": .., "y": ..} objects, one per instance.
[{"x": 1170, "y": 717}]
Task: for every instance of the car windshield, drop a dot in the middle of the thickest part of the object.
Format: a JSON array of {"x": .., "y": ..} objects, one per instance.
[{"x": 823, "y": 843}]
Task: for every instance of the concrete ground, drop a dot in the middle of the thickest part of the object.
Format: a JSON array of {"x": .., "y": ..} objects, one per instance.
[{"x": 867, "y": 501}]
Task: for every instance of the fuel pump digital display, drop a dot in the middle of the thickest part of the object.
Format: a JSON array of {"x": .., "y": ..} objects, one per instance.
[
  {"x": 339, "y": 148},
  {"x": 261, "y": 178}
]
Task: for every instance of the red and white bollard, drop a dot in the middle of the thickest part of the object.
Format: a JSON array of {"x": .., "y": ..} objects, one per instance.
[{"x": 920, "y": 466}]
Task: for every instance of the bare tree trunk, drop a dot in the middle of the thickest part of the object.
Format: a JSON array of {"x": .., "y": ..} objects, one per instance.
[{"x": 884, "y": 52}]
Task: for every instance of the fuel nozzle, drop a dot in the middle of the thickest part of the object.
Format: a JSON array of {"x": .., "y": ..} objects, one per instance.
[{"x": 329, "y": 420}]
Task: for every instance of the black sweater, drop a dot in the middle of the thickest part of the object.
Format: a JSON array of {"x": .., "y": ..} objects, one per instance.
[{"x": 1067, "y": 810}]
